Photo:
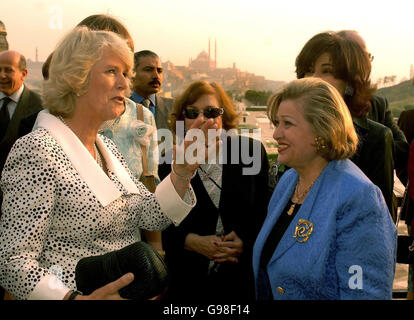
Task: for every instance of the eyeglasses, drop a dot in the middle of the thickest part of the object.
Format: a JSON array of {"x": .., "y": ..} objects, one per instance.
[{"x": 209, "y": 112}]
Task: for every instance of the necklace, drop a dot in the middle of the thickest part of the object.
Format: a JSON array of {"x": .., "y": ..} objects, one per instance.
[
  {"x": 206, "y": 176},
  {"x": 299, "y": 197},
  {"x": 97, "y": 156}
]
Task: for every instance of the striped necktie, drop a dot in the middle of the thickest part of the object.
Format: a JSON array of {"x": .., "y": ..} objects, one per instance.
[{"x": 147, "y": 103}]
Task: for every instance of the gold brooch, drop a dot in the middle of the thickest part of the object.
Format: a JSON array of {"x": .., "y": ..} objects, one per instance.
[{"x": 303, "y": 230}]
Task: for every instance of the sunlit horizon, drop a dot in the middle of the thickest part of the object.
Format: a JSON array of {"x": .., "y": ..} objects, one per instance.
[{"x": 260, "y": 37}]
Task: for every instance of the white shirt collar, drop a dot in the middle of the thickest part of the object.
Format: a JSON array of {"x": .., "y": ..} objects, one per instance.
[
  {"x": 104, "y": 188},
  {"x": 15, "y": 96}
]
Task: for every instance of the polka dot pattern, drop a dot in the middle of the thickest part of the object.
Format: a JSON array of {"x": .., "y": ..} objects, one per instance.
[{"x": 51, "y": 218}]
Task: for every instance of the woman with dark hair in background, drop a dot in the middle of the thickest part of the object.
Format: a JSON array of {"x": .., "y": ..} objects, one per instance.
[{"x": 344, "y": 64}]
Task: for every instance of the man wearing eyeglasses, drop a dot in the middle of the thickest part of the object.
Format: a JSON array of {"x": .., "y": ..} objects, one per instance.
[
  {"x": 380, "y": 112},
  {"x": 147, "y": 84}
]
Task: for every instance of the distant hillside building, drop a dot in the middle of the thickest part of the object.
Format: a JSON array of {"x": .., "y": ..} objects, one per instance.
[
  {"x": 4, "y": 45},
  {"x": 203, "y": 63},
  {"x": 177, "y": 78}
]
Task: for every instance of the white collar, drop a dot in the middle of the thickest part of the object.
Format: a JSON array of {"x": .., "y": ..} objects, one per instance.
[
  {"x": 15, "y": 96},
  {"x": 104, "y": 188}
]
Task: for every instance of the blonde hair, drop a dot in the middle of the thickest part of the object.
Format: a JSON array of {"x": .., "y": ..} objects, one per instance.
[
  {"x": 324, "y": 109},
  {"x": 72, "y": 61}
]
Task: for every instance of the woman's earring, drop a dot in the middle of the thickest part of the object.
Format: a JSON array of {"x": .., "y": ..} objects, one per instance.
[
  {"x": 349, "y": 91},
  {"x": 320, "y": 144}
]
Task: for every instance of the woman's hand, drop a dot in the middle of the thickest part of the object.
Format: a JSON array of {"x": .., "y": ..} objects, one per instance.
[
  {"x": 230, "y": 248},
  {"x": 183, "y": 170},
  {"x": 205, "y": 245},
  {"x": 109, "y": 291},
  {"x": 186, "y": 168}
]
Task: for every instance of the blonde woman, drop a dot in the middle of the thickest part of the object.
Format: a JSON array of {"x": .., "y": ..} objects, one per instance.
[
  {"x": 68, "y": 192},
  {"x": 328, "y": 233}
]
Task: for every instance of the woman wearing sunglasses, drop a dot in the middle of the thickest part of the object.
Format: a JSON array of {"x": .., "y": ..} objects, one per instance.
[{"x": 209, "y": 255}]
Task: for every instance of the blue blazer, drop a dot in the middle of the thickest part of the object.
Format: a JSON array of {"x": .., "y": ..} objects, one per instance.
[{"x": 349, "y": 254}]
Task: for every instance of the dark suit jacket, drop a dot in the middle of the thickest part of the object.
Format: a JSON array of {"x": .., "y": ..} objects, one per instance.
[
  {"x": 163, "y": 111},
  {"x": 27, "y": 108},
  {"x": 29, "y": 105},
  {"x": 375, "y": 156},
  {"x": 406, "y": 124},
  {"x": 380, "y": 112},
  {"x": 243, "y": 206}
]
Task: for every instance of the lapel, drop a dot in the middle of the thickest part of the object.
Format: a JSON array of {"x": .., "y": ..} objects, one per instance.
[
  {"x": 305, "y": 212},
  {"x": 104, "y": 188},
  {"x": 161, "y": 113},
  {"x": 23, "y": 108}
]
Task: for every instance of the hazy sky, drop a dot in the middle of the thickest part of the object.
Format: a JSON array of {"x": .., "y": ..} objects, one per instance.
[{"x": 260, "y": 36}]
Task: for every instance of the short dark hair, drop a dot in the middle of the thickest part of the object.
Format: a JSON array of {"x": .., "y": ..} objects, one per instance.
[{"x": 143, "y": 53}]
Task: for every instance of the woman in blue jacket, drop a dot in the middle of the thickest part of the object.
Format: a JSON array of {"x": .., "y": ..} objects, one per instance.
[{"x": 328, "y": 233}]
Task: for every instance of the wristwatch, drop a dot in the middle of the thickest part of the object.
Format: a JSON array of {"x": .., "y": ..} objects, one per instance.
[{"x": 74, "y": 294}]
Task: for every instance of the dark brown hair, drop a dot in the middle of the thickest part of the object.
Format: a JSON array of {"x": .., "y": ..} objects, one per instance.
[
  {"x": 350, "y": 63},
  {"x": 45, "y": 67},
  {"x": 144, "y": 53},
  {"x": 194, "y": 92},
  {"x": 104, "y": 22}
]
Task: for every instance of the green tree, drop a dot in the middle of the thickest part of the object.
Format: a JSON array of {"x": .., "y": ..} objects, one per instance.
[{"x": 258, "y": 98}]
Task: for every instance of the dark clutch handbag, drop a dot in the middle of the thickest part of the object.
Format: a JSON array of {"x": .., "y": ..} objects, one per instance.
[
  {"x": 405, "y": 250},
  {"x": 149, "y": 269}
]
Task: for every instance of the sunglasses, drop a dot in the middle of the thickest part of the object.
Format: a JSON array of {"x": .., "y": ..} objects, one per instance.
[{"x": 209, "y": 112}]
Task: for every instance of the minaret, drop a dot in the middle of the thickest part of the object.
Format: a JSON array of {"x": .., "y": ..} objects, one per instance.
[
  {"x": 4, "y": 45},
  {"x": 215, "y": 53},
  {"x": 37, "y": 56},
  {"x": 209, "y": 49}
]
